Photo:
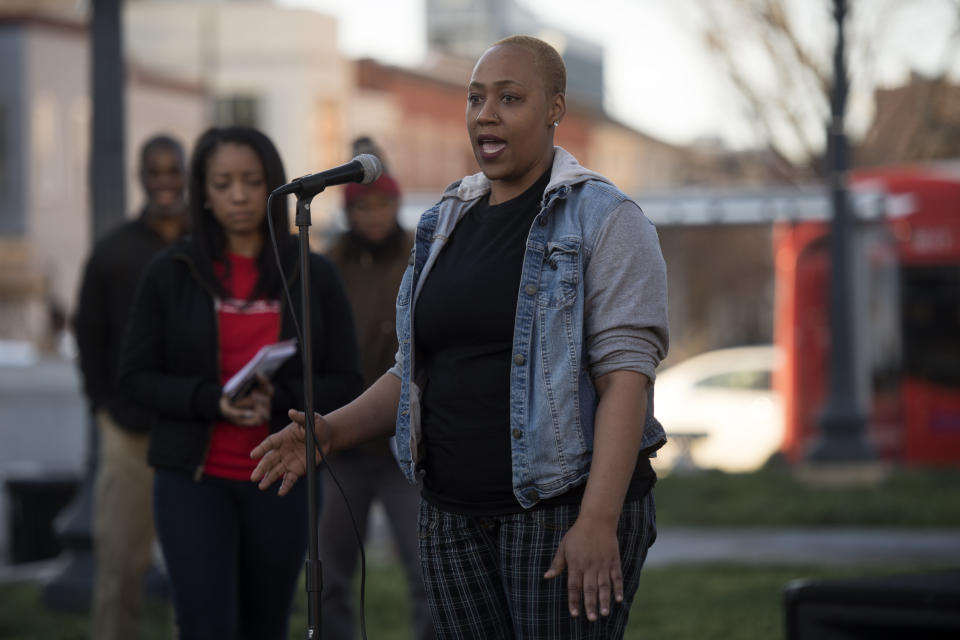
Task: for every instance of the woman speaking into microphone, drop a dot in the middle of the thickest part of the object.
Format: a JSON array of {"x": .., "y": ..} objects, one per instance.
[{"x": 530, "y": 320}]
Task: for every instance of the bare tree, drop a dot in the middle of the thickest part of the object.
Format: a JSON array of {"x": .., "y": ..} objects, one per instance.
[
  {"x": 777, "y": 56},
  {"x": 919, "y": 121}
]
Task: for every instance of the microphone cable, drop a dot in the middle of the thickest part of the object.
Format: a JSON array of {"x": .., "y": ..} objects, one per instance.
[{"x": 316, "y": 444}]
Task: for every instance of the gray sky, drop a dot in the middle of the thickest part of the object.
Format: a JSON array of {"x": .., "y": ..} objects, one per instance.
[{"x": 659, "y": 77}]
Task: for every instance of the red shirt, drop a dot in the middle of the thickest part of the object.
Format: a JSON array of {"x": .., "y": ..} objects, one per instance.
[{"x": 245, "y": 327}]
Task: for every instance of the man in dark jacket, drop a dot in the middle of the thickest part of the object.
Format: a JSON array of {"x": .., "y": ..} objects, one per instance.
[
  {"x": 123, "y": 530},
  {"x": 371, "y": 257}
]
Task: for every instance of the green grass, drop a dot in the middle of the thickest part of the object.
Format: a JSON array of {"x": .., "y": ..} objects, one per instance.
[
  {"x": 726, "y": 602},
  {"x": 24, "y": 617},
  {"x": 905, "y": 498},
  {"x": 387, "y": 611},
  {"x": 723, "y": 601}
]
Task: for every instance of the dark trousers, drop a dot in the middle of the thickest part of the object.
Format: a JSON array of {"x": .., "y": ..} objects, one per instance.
[{"x": 233, "y": 554}]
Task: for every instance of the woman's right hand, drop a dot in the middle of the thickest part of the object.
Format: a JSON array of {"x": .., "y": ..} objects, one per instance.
[{"x": 283, "y": 454}]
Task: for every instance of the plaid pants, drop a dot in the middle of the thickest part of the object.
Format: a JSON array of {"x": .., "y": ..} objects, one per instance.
[{"x": 484, "y": 574}]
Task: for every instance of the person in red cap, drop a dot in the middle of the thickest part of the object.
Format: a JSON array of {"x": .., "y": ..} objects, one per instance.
[{"x": 371, "y": 256}]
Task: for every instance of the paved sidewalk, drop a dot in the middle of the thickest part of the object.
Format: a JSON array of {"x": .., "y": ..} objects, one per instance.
[
  {"x": 808, "y": 546},
  {"x": 756, "y": 546}
]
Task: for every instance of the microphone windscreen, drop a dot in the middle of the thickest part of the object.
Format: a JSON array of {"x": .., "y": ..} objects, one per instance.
[{"x": 372, "y": 168}]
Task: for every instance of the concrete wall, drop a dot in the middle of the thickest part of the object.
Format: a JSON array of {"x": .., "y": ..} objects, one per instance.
[
  {"x": 158, "y": 105},
  {"x": 284, "y": 58},
  {"x": 633, "y": 161},
  {"x": 57, "y": 126},
  {"x": 45, "y": 231}
]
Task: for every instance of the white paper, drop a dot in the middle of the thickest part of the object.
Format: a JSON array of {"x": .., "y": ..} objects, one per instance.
[{"x": 266, "y": 361}]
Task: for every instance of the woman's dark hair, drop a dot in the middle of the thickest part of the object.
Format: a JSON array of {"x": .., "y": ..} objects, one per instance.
[{"x": 208, "y": 238}]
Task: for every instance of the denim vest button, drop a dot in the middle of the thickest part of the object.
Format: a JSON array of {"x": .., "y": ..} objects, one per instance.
[
  {"x": 519, "y": 359},
  {"x": 517, "y": 434},
  {"x": 530, "y": 289},
  {"x": 531, "y": 494}
]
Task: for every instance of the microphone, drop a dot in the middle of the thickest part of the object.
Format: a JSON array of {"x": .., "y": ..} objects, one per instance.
[{"x": 365, "y": 168}]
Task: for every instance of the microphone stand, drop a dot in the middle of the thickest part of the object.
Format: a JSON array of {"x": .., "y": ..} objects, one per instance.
[
  {"x": 364, "y": 168},
  {"x": 313, "y": 569}
]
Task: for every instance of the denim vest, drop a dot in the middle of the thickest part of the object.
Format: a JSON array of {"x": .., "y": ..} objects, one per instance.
[{"x": 552, "y": 397}]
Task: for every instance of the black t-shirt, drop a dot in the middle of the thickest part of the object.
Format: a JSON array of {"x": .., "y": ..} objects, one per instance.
[{"x": 463, "y": 327}]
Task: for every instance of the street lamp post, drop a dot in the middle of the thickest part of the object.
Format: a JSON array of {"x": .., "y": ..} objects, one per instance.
[
  {"x": 842, "y": 435},
  {"x": 70, "y": 589}
]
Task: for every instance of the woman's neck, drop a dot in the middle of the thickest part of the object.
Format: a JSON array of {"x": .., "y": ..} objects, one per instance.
[
  {"x": 247, "y": 245},
  {"x": 503, "y": 190}
]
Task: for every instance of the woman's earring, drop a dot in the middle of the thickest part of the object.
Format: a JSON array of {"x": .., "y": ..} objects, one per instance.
[{"x": 556, "y": 123}]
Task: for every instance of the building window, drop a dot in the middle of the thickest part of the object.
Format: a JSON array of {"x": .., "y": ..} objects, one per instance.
[{"x": 237, "y": 110}]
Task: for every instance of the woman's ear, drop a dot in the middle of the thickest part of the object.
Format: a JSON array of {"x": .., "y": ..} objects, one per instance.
[{"x": 558, "y": 108}]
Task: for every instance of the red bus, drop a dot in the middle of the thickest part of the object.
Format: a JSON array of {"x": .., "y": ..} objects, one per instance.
[{"x": 906, "y": 317}]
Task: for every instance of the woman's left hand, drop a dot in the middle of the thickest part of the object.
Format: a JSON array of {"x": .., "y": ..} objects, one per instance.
[
  {"x": 263, "y": 396},
  {"x": 590, "y": 553},
  {"x": 251, "y": 410}
]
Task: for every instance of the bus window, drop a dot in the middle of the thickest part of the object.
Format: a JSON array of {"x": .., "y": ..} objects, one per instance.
[{"x": 931, "y": 323}]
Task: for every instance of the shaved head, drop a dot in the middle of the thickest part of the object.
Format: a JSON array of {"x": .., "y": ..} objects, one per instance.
[{"x": 549, "y": 63}]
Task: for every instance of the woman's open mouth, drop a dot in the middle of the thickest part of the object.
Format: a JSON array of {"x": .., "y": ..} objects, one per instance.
[{"x": 490, "y": 146}]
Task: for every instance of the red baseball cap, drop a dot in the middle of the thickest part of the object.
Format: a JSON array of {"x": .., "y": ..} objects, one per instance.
[{"x": 384, "y": 185}]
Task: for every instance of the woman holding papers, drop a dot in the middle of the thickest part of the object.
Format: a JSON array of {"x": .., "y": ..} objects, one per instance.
[
  {"x": 203, "y": 310},
  {"x": 531, "y": 319}
]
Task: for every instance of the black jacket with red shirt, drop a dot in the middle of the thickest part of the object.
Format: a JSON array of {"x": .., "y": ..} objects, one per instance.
[{"x": 170, "y": 362}]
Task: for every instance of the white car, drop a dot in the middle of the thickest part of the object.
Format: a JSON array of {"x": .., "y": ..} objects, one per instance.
[{"x": 719, "y": 410}]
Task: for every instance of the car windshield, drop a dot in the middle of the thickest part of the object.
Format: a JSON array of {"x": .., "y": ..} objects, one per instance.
[{"x": 752, "y": 380}]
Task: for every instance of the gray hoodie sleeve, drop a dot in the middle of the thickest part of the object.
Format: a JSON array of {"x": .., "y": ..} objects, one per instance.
[{"x": 625, "y": 323}]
